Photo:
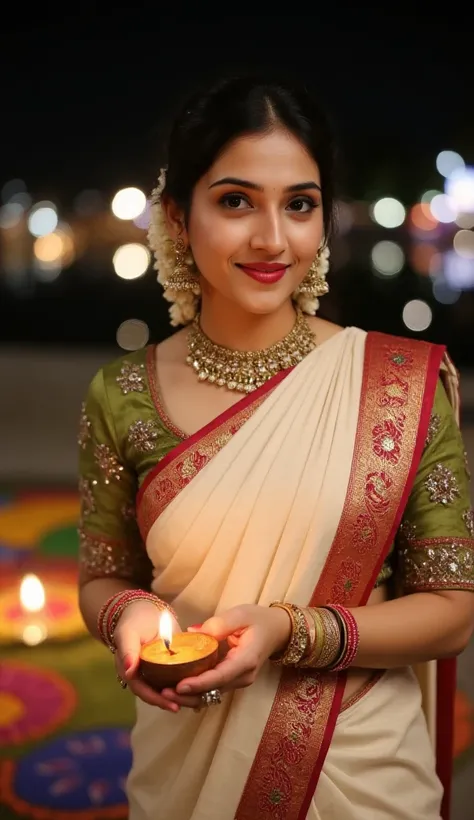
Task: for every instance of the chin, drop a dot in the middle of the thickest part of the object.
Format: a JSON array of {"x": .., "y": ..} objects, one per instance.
[{"x": 262, "y": 303}]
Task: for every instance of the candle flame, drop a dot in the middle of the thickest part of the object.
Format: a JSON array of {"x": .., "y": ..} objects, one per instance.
[
  {"x": 32, "y": 597},
  {"x": 166, "y": 628}
]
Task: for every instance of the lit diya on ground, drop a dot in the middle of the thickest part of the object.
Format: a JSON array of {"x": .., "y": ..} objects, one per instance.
[
  {"x": 169, "y": 659},
  {"x": 35, "y": 612}
]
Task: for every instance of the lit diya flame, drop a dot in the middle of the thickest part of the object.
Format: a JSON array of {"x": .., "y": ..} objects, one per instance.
[
  {"x": 166, "y": 630},
  {"x": 32, "y": 597},
  {"x": 32, "y": 600}
]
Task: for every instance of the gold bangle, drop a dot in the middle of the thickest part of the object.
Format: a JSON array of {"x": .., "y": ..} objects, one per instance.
[
  {"x": 317, "y": 645},
  {"x": 332, "y": 639},
  {"x": 298, "y": 642}
]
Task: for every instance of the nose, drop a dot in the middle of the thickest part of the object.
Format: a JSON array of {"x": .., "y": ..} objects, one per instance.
[{"x": 269, "y": 234}]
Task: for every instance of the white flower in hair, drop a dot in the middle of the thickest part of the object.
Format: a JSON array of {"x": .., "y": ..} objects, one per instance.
[{"x": 184, "y": 304}]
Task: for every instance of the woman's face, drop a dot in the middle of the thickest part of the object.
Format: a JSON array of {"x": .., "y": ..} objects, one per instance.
[{"x": 256, "y": 221}]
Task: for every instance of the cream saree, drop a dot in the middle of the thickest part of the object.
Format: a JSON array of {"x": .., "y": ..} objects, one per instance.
[{"x": 296, "y": 494}]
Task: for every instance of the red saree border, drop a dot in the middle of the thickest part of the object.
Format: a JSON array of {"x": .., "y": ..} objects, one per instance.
[
  {"x": 398, "y": 385},
  {"x": 187, "y": 459},
  {"x": 445, "y": 695}
]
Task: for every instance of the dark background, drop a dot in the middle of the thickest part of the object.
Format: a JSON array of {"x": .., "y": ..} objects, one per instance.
[{"x": 85, "y": 95}]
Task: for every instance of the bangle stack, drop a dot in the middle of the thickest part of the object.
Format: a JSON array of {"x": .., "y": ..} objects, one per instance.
[
  {"x": 325, "y": 638},
  {"x": 115, "y": 606}
]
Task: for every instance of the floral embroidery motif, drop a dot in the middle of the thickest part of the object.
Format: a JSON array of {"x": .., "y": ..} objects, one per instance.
[
  {"x": 199, "y": 458},
  {"x": 403, "y": 361},
  {"x": 142, "y": 435},
  {"x": 438, "y": 563},
  {"x": 395, "y": 391},
  {"x": 108, "y": 463},
  {"x": 433, "y": 428},
  {"x": 407, "y": 531},
  {"x": 86, "y": 496},
  {"x": 84, "y": 428},
  {"x": 468, "y": 518},
  {"x": 101, "y": 557},
  {"x": 377, "y": 491},
  {"x": 442, "y": 485},
  {"x": 387, "y": 438},
  {"x": 132, "y": 378},
  {"x": 345, "y": 584}
]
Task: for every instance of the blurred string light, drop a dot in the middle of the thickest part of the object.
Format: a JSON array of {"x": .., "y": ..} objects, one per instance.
[
  {"x": 42, "y": 219},
  {"x": 128, "y": 203},
  {"x": 447, "y": 162},
  {"x": 421, "y": 217},
  {"x": 12, "y": 188},
  {"x": 421, "y": 257},
  {"x": 465, "y": 220},
  {"x": 142, "y": 221},
  {"x": 53, "y": 252},
  {"x": 463, "y": 244},
  {"x": 444, "y": 293},
  {"x": 459, "y": 188},
  {"x": 458, "y": 271},
  {"x": 132, "y": 334},
  {"x": 387, "y": 258},
  {"x": 443, "y": 208},
  {"x": 417, "y": 315},
  {"x": 131, "y": 261},
  {"x": 11, "y": 215},
  {"x": 388, "y": 212}
]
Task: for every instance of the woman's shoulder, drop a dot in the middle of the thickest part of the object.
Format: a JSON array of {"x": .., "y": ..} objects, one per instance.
[{"x": 127, "y": 373}]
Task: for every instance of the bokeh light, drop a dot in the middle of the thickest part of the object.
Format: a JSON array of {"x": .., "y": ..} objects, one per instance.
[
  {"x": 460, "y": 189},
  {"x": 11, "y": 215},
  {"x": 12, "y": 188},
  {"x": 388, "y": 212},
  {"x": 131, "y": 261},
  {"x": 422, "y": 218},
  {"x": 443, "y": 208},
  {"x": 444, "y": 293},
  {"x": 128, "y": 203},
  {"x": 447, "y": 162},
  {"x": 463, "y": 244},
  {"x": 387, "y": 258},
  {"x": 417, "y": 315},
  {"x": 42, "y": 219},
  {"x": 133, "y": 334}
]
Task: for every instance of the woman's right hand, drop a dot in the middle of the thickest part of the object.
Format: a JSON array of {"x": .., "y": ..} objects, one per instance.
[{"x": 138, "y": 625}]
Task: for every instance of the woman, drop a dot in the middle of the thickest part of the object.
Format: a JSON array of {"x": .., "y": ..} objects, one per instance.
[{"x": 274, "y": 458}]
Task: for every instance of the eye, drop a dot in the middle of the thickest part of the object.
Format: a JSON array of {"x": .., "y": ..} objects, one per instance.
[
  {"x": 303, "y": 205},
  {"x": 235, "y": 202}
]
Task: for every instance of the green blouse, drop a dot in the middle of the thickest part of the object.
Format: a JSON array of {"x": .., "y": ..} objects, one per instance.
[{"x": 124, "y": 432}]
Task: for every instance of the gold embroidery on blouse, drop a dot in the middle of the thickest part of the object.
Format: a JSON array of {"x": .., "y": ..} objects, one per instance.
[
  {"x": 108, "y": 463},
  {"x": 433, "y": 428},
  {"x": 86, "y": 496},
  {"x": 142, "y": 435},
  {"x": 132, "y": 378},
  {"x": 468, "y": 518},
  {"x": 84, "y": 428},
  {"x": 385, "y": 573},
  {"x": 442, "y": 485},
  {"x": 438, "y": 563},
  {"x": 407, "y": 531},
  {"x": 103, "y": 557}
]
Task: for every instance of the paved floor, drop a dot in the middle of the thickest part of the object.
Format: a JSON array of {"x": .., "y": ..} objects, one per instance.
[{"x": 40, "y": 396}]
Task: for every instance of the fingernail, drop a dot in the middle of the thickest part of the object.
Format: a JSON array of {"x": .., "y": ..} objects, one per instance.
[
  {"x": 184, "y": 690},
  {"x": 174, "y": 707},
  {"x": 127, "y": 662},
  {"x": 194, "y": 626}
]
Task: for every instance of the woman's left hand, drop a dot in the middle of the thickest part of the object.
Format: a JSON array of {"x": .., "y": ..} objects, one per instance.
[{"x": 253, "y": 634}]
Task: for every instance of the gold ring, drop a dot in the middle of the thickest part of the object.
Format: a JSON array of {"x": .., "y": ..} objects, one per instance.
[{"x": 122, "y": 682}]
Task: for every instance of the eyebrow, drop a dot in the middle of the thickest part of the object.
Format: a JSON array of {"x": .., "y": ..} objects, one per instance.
[{"x": 244, "y": 183}]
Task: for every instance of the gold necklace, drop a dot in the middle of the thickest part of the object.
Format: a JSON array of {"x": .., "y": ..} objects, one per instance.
[{"x": 244, "y": 370}]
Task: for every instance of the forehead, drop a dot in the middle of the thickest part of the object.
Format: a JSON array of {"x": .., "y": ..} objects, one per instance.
[{"x": 277, "y": 158}]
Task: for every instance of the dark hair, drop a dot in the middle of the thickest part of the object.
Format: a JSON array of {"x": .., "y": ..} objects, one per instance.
[{"x": 210, "y": 121}]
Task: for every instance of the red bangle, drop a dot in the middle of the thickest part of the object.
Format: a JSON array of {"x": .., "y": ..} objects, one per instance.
[
  {"x": 114, "y": 607},
  {"x": 352, "y": 632}
]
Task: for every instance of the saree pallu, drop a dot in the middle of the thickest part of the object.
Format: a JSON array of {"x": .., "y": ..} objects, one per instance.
[{"x": 295, "y": 493}]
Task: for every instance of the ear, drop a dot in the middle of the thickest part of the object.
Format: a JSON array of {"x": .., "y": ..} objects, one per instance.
[{"x": 174, "y": 218}]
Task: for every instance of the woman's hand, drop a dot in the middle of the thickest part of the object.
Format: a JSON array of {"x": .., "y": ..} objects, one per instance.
[
  {"x": 136, "y": 626},
  {"x": 253, "y": 633}
]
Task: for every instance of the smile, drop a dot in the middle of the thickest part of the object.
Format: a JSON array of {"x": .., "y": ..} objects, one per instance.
[{"x": 265, "y": 272}]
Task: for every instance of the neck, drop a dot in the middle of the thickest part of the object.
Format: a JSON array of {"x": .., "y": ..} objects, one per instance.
[{"x": 232, "y": 327}]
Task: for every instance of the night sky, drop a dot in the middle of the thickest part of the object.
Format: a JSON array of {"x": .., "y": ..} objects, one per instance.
[{"x": 84, "y": 97}]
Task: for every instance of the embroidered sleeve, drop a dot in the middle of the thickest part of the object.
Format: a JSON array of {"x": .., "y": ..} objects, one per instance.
[
  {"x": 109, "y": 540},
  {"x": 436, "y": 539}
]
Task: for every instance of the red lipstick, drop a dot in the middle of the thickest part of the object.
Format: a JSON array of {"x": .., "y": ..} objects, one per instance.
[{"x": 265, "y": 272}]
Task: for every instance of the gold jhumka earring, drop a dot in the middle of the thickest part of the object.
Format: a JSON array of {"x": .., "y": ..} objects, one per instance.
[
  {"x": 314, "y": 284},
  {"x": 183, "y": 277}
]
